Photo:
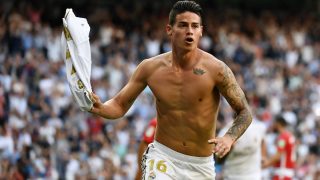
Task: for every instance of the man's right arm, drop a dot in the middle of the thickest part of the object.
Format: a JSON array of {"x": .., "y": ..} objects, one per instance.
[{"x": 120, "y": 104}]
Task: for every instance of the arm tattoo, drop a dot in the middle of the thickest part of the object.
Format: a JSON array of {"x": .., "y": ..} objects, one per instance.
[
  {"x": 240, "y": 124},
  {"x": 230, "y": 89}
]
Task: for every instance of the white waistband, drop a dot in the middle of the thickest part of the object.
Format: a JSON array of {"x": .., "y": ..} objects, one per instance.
[
  {"x": 182, "y": 157},
  {"x": 284, "y": 172}
]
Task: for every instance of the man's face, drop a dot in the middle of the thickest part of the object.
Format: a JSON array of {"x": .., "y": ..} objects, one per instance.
[
  {"x": 186, "y": 31},
  {"x": 275, "y": 126}
]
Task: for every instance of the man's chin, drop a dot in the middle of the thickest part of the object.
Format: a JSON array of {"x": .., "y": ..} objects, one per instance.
[
  {"x": 189, "y": 47},
  {"x": 275, "y": 131}
]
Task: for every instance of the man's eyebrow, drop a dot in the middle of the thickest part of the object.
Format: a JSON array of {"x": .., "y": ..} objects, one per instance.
[{"x": 185, "y": 22}]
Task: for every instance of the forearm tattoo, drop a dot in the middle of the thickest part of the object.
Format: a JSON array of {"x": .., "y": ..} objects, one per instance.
[
  {"x": 240, "y": 124},
  {"x": 230, "y": 89}
]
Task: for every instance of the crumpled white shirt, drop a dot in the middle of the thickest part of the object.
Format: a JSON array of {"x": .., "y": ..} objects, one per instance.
[{"x": 77, "y": 56}]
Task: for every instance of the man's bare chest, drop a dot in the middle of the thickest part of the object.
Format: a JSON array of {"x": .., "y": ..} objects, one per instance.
[{"x": 181, "y": 88}]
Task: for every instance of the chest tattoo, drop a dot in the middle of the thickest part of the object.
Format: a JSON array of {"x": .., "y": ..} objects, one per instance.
[{"x": 198, "y": 71}]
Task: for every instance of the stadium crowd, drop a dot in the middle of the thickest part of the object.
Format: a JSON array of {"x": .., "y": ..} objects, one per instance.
[{"x": 274, "y": 55}]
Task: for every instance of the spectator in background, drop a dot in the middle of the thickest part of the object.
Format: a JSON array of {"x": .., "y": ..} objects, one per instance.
[
  {"x": 6, "y": 142},
  {"x": 285, "y": 158}
]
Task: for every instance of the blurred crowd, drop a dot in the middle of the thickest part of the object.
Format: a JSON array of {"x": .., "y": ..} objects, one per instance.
[{"x": 43, "y": 134}]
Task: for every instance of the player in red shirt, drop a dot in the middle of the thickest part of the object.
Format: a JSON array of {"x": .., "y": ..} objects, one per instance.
[
  {"x": 148, "y": 137},
  {"x": 284, "y": 160}
]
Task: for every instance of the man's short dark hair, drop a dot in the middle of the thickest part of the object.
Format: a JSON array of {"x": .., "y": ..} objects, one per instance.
[
  {"x": 280, "y": 119},
  {"x": 184, "y": 6}
]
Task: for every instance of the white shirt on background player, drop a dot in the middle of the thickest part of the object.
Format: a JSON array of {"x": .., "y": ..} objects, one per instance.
[{"x": 242, "y": 163}]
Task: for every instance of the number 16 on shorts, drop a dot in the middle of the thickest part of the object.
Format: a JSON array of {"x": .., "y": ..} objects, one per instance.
[{"x": 158, "y": 169}]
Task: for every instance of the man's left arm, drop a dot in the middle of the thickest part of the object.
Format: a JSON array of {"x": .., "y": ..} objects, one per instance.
[
  {"x": 271, "y": 160},
  {"x": 229, "y": 88}
]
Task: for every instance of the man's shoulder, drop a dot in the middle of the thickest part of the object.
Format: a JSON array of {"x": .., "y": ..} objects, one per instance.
[
  {"x": 156, "y": 60},
  {"x": 213, "y": 64},
  {"x": 211, "y": 60},
  {"x": 148, "y": 66},
  {"x": 284, "y": 136}
]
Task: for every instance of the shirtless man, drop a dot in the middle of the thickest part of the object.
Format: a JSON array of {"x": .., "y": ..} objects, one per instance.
[{"x": 187, "y": 83}]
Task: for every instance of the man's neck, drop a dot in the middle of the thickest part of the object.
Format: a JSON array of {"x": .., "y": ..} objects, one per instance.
[
  {"x": 281, "y": 130},
  {"x": 185, "y": 59}
]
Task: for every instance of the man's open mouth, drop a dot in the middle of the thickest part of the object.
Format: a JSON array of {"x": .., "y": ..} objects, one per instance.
[{"x": 189, "y": 40}]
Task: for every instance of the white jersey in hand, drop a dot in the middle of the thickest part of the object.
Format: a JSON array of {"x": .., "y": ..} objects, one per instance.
[{"x": 77, "y": 56}]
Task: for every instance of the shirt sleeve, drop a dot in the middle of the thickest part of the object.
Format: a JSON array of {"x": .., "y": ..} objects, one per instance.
[
  {"x": 281, "y": 144},
  {"x": 148, "y": 135}
]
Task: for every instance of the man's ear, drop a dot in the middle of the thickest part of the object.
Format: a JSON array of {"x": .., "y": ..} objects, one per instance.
[
  {"x": 201, "y": 31},
  {"x": 169, "y": 29}
]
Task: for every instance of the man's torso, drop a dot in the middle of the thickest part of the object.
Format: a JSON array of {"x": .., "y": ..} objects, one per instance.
[{"x": 187, "y": 103}]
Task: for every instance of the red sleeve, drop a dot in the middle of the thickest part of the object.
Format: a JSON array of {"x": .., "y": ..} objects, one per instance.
[
  {"x": 281, "y": 143},
  {"x": 148, "y": 134}
]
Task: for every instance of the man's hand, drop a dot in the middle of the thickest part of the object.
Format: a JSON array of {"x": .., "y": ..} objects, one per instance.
[
  {"x": 222, "y": 145},
  {"x": 97, "y": 104},
  {"x": 271, "y": 160},
  {"x": 264, "y": 162}
]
